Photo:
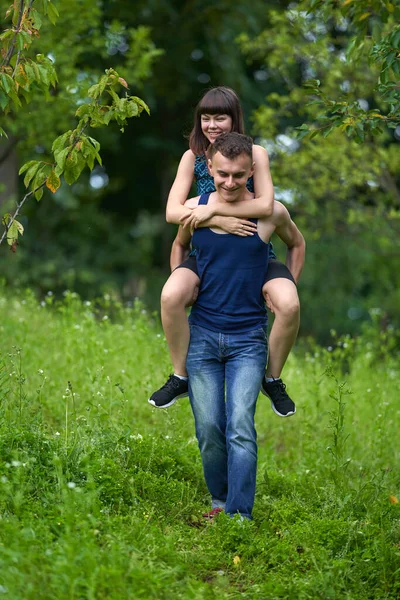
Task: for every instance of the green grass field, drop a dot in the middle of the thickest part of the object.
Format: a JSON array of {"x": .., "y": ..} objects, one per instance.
[{"x": 101, "y": 495}]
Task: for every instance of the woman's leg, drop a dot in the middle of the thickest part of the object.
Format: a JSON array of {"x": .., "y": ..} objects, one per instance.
[
  {"x": 282, "y": 299},
  {"x": 179, "y": 292}
]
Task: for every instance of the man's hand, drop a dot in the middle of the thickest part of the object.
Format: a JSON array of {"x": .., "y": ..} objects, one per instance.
[{"x": 196, "y": 216}]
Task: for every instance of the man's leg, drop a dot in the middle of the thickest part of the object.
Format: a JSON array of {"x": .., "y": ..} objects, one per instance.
[
  {"x": 207, "y": 397},
  {"x": 244, "y": 372}
]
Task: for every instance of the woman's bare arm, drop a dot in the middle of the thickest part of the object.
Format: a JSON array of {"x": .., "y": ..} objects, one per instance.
[
  {"x": 259, "y": 207},
  {"x": 180, "y": 189}
]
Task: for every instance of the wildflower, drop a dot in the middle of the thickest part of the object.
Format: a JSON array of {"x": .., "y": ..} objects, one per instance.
[
  {"x": 393, "y": 500},
  {"x": 58, "y": 433},
  {"x": 16, "y": 463},
  {"x": 71, "y": 485},
  {"x": 49, "y": 293},
  {"x": 40, "y": 371},
  {"x": 236, "y": 560},
  {"x": 105, "y": 318}
]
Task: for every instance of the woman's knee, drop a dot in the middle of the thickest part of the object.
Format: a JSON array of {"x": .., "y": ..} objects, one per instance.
[
  {"x": 178, "y": 292},
  {"x": 282, "y": 297},
  {"x": 288, "y": 308}
]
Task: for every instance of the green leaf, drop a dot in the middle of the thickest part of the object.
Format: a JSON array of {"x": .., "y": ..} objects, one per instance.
[
  {"x": 26, "y": 166},
  {"x": 12, "y": 233},
  {"x": 143, "y": 104},
  {"x": 132, "y": 109},
  {"x": 72, "y": 174},
  {"x": 83, "y": 110},
  {"x": 52, "y": 13},
  {"x": 7, "y": 83},
  {"x": 31, "y": 172},
  {"x": 40, "y": 178},
  {"x": 19, "y": 41},
  {"x": 3, "y": 100},
  {"x": 5, "y": 219},
  {"x": 38, "y": 194},
  {"x": 3, "y": 133},
  {"x": 60, "y": 158},
  {"x": 59, "y": 142},
  {"x": 44, "y": 74},
  {"x": 37, "y": 21},
  {"x": 93, "y": 91}
]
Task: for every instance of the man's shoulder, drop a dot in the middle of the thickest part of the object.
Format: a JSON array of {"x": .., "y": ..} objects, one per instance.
[
  {"x": 193, "y": 202},
  {"x": 280, "y": 213}
]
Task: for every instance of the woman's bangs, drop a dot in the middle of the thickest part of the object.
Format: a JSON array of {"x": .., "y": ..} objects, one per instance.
[{"x": 214, "y": 104}]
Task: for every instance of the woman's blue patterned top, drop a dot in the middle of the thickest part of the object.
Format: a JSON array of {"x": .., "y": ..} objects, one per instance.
[{"x": 205, "y": 185}]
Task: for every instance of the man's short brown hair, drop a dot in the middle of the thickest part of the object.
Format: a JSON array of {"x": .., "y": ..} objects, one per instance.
[{"x": 231, "y": 145}]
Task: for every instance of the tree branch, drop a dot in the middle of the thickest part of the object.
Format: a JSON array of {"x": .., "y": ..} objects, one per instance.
[
  {"x": 19, "y": 206},
  {"x": 7, "y": 59}
]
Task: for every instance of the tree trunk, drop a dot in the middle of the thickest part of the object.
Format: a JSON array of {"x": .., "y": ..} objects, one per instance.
[{"x": 8, "y": 169}]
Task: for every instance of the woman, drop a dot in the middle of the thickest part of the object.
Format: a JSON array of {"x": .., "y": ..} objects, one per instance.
[{"x": 219, "y": 111}]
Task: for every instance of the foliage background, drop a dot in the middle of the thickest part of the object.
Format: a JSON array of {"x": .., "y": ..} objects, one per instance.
[{"x": 107, "y": 232}]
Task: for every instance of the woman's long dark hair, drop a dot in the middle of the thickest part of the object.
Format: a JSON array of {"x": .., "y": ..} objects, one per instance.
[{"x": 217, "y": 101}]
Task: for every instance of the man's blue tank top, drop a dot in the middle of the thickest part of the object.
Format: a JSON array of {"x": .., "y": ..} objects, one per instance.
[
  {"x": 232, "y": 271},
  {"x": 205, "y": 184}
]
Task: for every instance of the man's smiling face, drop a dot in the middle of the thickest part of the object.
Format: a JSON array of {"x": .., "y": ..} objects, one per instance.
[{"x": 230, "y": 175}]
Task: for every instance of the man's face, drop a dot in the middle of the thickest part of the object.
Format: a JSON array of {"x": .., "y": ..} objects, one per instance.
[{"x": 230, "y": 175}]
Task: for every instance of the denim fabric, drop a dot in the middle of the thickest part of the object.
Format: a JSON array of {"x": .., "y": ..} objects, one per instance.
[{"x": 225, "y": 374}]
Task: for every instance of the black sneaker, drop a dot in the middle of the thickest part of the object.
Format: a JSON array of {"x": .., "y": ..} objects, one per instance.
[
  {"x": 281, "y": 402},
  {"x": 173, "y": 389}
]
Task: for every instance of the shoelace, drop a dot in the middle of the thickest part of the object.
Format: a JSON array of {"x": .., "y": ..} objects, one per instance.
[
  {"x": 281, "y": 388},
  {"x": 170, "y": 383}
]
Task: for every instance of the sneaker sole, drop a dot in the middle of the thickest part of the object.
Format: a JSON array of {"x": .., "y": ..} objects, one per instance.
[
  {"x": 274, "y": 409},
  {"x": 289, "y": 414},
  {"x": 150, "y": 401}
]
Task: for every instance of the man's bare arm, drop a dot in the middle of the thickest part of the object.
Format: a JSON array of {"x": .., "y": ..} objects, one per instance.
[
  {"x": 294, "y": 240},
  {"x": 179, "y": 251}
]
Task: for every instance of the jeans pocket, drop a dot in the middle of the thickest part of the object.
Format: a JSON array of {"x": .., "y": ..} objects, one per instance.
[{"x": 259, "y": 334}]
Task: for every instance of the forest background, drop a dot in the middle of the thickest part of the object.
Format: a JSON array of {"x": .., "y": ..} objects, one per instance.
[{"x": 106, "y": 233}]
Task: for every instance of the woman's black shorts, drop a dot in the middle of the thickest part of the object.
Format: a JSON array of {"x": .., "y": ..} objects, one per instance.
[{"x": 276, "y": 269}]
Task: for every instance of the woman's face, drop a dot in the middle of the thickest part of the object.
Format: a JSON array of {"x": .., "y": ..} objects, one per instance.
[{"x": 213, "y": 125}]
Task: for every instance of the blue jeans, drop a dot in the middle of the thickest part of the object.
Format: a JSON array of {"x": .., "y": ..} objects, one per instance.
[{"x": 225, "y": 375}]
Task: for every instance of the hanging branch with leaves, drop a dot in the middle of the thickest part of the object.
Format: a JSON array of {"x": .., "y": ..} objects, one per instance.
[
  {"x": 75, "y": 149},
  {"x": 376, "y": 34}
]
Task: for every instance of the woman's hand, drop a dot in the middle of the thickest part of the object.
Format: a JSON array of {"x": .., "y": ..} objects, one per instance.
[
  {"x": 241, "y": 227},
  {"x": 197, "y": 215}
]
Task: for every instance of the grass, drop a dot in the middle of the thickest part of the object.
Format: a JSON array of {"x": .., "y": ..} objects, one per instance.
[{"x": 101, "y": 495}]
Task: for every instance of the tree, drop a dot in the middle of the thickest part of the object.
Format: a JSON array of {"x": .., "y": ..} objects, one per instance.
[
  {"x": 334, "y": 148},
  {"x": 26, "y": 79}
]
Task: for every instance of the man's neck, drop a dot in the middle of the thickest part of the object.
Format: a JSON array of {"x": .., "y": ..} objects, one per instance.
[{"x": 246, "y": 195}]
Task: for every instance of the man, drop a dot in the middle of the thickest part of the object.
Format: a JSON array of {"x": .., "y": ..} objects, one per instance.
[{"x": 228, "y": 344}]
